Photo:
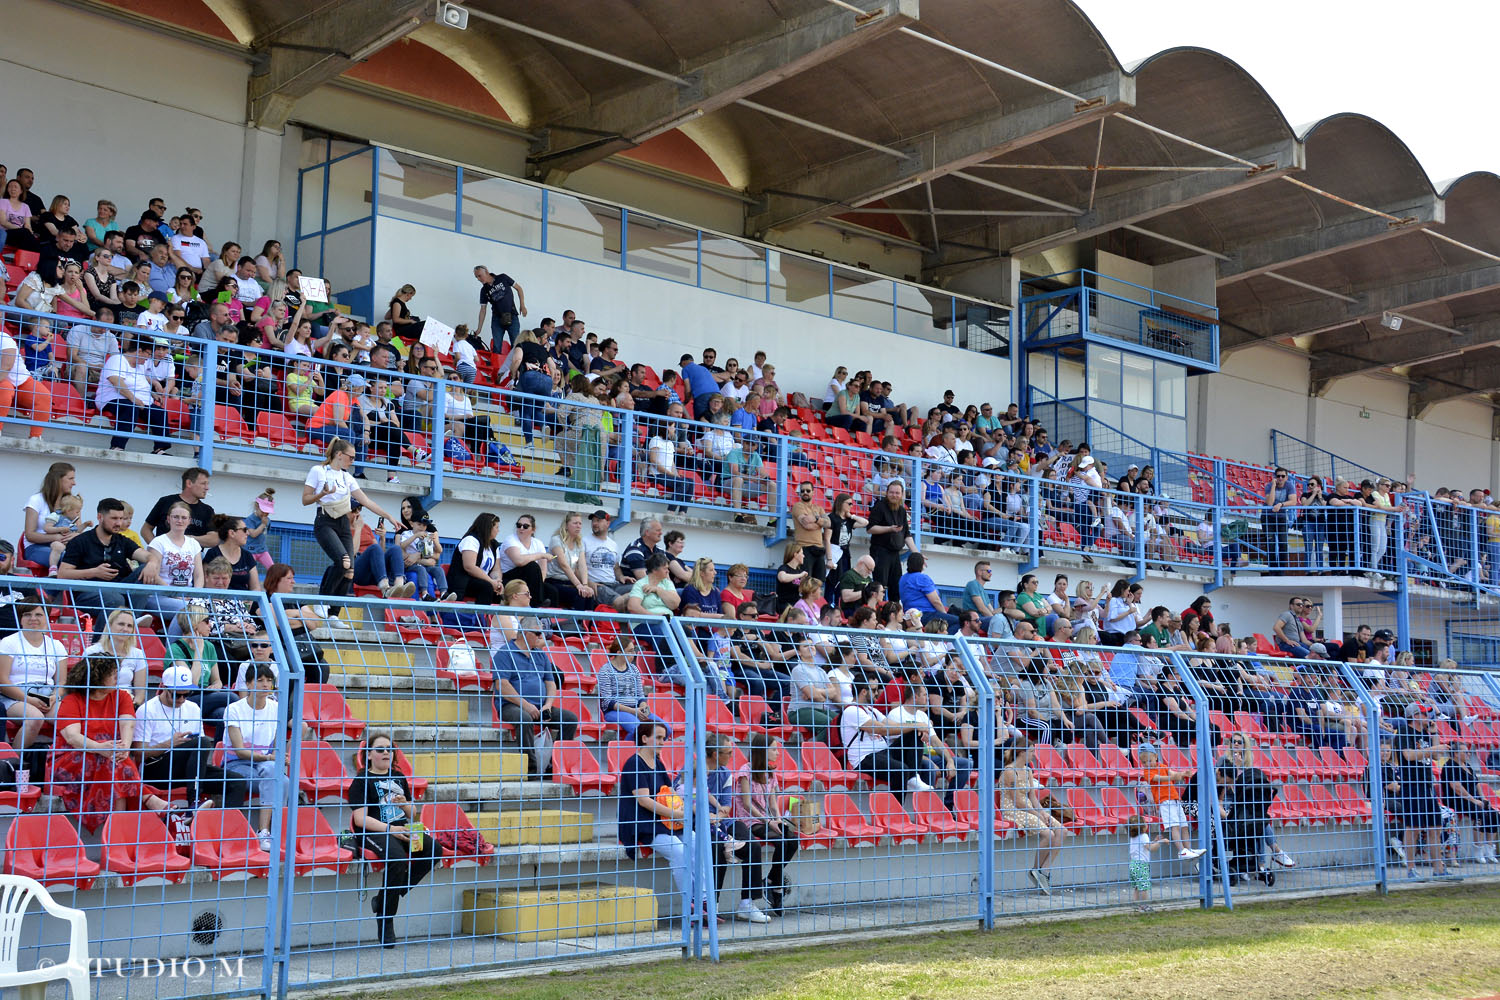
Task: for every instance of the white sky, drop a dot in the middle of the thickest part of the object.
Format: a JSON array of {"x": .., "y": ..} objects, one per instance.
[{"x": 1426, "y": 69}]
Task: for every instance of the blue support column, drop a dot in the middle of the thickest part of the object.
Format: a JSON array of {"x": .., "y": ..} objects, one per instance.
[
  {"x": 624, "y": 237},
  {"x": 783, "y": 489},
  {"x": 435, "y": 439},
  {"x": 1403, "y": 601},
  {"x": 1035, "y": 521},
  {"x": 695, "y": 800},
  {"x": 1216, "y": 516},
  {"x": 207, "y": 405},
  {"x": 1140, "y": 537},
  {"x": 282, "y": 874},
  {"x": 627, "y": 466},
  {"x": 1374, "y": 777},
  {"x": 914, "y": 503},
  {"x": 974, "y": 667},
  {"x": 1209, "y": 833}
]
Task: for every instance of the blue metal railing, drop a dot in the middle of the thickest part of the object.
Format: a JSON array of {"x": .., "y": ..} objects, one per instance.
[{"x": 1106, "y": 309}]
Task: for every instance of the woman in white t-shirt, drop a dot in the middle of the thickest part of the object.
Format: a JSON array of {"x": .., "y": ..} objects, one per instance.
[
  {"x": 118, "y": 640},
  {"x": 523, "y": 557},
  {"x": 31, "y": 663},
  {"x": 473, "y": 575},
  {"x": 56, "y": 484},
  {"x": 181, "y": 556},
  {"x": 19, "y": 389},
  {"x": 335, "y": 491}
]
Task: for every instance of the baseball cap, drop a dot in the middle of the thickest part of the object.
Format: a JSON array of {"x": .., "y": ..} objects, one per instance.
[
  {"x": 158, "y": 296},
  {"x": 355, "y": 382},
  {"x": 1415, "y": 710},
  {"x": 178, "y": 678},
  {"x": 1384, "y": 634},
  {"x": 1132, "y": 467},
  {"x": 991, "y": 462},
  {"x": 1150, "y": 748},
  {"x": 1318, "y": 648},
  {"x": 1087, "y": 462},
  {"x": 596, "y": 515}
]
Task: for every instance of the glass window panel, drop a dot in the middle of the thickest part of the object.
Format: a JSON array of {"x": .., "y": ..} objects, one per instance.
[
  {"x": 1069, "y": 379},
  {"x": 1137, "y": 377},
  {"x": 1043, "y": 372},
  {"x": 663, "y": 249},
  {"x": 417, "y": 190},
  {"x": 313, "y": 151},
  {"x": 309, "y": 259},
  {"x": 349, "y": 190},
  {"x": 347, "y": 258},
  {"x": 312, "y": 200},
  {"x": 924, "y": 314},
  {"x": 1139, "y": 424},
  {"x": 1105, "y": 413},
  {"x": 984, "y": 328},
  {"x": 583, "y": 229},
  {"x": 1171, "y": 388},
  {"x": 1171, "y": 433},
  {"x": 799, "y": 283},
  {"x": 862, "y": 297},
  {"x": 734, "y": 267},
  {"x": 497, "y": 208},
  {"x": 1104, "y": 374}
]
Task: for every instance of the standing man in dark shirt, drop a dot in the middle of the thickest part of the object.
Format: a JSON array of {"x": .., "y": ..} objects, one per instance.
[
  {"x": 194, "y": 488},
  {"x": 507, "y": 298},
  {"x": 890, "y": 536},
  {"x": 1416, "y": 805}
]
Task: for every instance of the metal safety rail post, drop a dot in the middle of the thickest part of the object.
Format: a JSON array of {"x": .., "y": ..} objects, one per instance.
[
  {"x": 1210, "y": 818},
  {"x": 842, "y": 763},
  {"x": 1074, "y": 726},
  {"x": 524, "y": 859},
  {"x": 984, "y": 736},
  {"x": 122, "y": 801},
  {"x": 710, "y": 465}
]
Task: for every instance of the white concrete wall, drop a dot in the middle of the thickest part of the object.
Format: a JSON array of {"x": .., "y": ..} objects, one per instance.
[
  {"x": 1231, "y": 413},
  {"x": 1378, "y": 440},
  {"x": 70, "y": 81},
  {"x": 1452, "y": 446},
  {"x": 657, "y": 320}
]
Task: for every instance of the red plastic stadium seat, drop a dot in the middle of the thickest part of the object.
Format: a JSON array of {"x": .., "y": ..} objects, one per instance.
[
  {"x": 1048, "y": 765},
  {"x": 179, "y": 415},
  {"x": 928, "y": 810},
  {"x": 887, "y": 814},
  {"x": 575, "y": 766},
  {"x": 788, "y": 775},
  {"x": 321, "y": 774},
  {"x": 275, "y": 427},
  {"x": 1082, "y": 761},
  {"x": 588, "y": 725},
  {"x": 820, "y": 839},
  {"x": 576, "y": 672},
  {"x": 1114, "y": 758},
  {"x": 966, "y": 811},
  {"x": 667, "y": 708},
  {"x": 439, "y": 817},
  {"x": 722, "y": 721},
  {"x": 1117, "y": 807},
  {"x": 754, "y": 711},
  {"x": 47, "y": 848},
  {"x": 326, "y": 712},
  {"x": 1089, "y": 812},
  {"x": 224, "y": 844},
  {"x": 843, "y": 817},
  {"x": 478, "y": 678},
  {"x": 411, "y": 624},
  {"x": 137, "y": 847},
  {"x": 825, "y": 767},
  {"x": 317, "y": 847},
  {"x": 230, "y": 426}
]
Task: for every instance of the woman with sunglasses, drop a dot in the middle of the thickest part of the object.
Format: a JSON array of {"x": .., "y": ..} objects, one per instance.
[
  {"x": 381, "y": 811},
  {"x": 1245, "y": 794},
  {"x": 233, "y": 534},
  {"x": 524, "y": 557}
]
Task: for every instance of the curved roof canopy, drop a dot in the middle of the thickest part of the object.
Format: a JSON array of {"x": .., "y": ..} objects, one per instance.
[{"x": 976, "y": 128}]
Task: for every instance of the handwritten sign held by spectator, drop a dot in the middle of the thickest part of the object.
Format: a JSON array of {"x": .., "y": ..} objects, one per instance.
[
  {"x": 313, "y": 289},
  {"x": 437, "y": 335}
]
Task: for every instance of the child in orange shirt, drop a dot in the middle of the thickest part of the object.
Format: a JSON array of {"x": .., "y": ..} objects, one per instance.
[{"x": 1168, "y": 798}]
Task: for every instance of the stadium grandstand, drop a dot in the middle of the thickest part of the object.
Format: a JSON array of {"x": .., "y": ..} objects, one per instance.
[{"x": 497, "y": 484}]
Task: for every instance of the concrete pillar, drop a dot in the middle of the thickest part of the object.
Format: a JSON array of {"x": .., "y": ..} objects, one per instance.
[
  {"x": 1412, "y": 472},
  {"x": 261, "y": 196},
  {"x": 1333, "y": 613}
]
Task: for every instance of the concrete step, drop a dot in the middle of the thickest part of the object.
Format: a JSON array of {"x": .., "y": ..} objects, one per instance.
[
  {"x": 474, "y": 766},
  {"x": 397, "y": 711},
  {"x": 347, "y": 658},
  {"x": 544, "y": 915},
  {"x": 535, "y": 826}
]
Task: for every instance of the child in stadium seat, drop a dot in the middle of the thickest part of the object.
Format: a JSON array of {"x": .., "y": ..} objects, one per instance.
[{"x": 1162, "y": 782}]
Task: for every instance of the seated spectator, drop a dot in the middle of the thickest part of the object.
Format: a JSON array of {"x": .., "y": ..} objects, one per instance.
[
  {"x": 523, "y": 557},
  {"x": 621, "y": 692},
  {"x": 849, "y": 411},
  {"x": 633, "y": 560},
  {"x": 90, "y": 769},
  {"x": 868, "y": 746},
  {"x": 734, "y": 595},
  {"x": 31, "y": 673},
  {"x": 1289, "y": 630},
  {"x": 919, "y": 591},
  {"x": 381, "y": 808},
  {"x": 815, "y": 697},
  {"x": 701, "y": 590},
  {"x": 383, "y": 566},
  {"x": 251, "y": 726},
  {"x": 195, "y": 650},
  {"x": 653, "y": 594},
  {"x": 172, "y": 748},
  {"x": 124, "y": 395},
  {"x": 664, "y": 451},
  {"x": 104, "y": 554},
  {"x": 526, "y": 691},
  {"x": 643, "y": 780},
  {"x": 567, "y": 578},
  {"x": 748, "y": 482},
  {"x": 937, "y": 762}
]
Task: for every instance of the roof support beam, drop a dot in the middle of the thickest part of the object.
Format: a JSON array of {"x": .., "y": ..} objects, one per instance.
[
  {"x": 831, "y": 188},
  {"x": 642, "y": 112},
  {"x": 1289, "y": 249},
  {"x": 1132, "y": 205},
  {"x": 1400, "y": 350},
  {"x": 292, "y": 61},
  {"x": 1439, "y": 386},
  {"x": 1325, "y": 314}
]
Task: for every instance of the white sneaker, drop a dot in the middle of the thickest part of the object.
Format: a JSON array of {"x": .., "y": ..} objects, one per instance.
[
  {"x": 1189, "y": 853},
  {"x": 1397, "y": 848},
  {"x": 393, "y": 480},
  {"x": 1040, "y": 881},
  {"x": 1284, "y": 859},
  {"x": 749, "y": 911},
  {"x": 916, "y": 784},
  {"x": 264, "y": 839}
]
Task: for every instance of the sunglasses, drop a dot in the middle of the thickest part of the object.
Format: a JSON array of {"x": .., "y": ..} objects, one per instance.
[
  {"x": 380, "y": 750},
  {"x": 260, "y": 645}
]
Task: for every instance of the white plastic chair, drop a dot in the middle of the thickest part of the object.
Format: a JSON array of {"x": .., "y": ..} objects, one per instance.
[{"x": 16, "y": 894}]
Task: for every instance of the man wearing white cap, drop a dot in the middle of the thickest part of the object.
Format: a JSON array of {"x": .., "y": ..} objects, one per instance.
[{"x": 170, "y": 743}]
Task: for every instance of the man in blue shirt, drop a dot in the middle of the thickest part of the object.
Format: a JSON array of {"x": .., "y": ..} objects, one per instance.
[
  {"x": 702, "y": 383},
  {"x": 526, "y": 691},
  {"x": 633, "y": 559},
  {"x": 919, "y": 592}
]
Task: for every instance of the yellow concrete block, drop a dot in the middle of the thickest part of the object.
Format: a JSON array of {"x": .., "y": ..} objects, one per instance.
[
  {"x": 417, "y": 709},
  {"x": 545, "y": 826},
  {"x": 595, "y": 911},
  {"x": 470, "y": 765},
  {"x": 380, "y": 660},
  {"x": 492, "y": 827}
]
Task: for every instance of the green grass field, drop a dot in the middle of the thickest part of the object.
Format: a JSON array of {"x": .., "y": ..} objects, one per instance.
[{"x": 1439, "y": 943}]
